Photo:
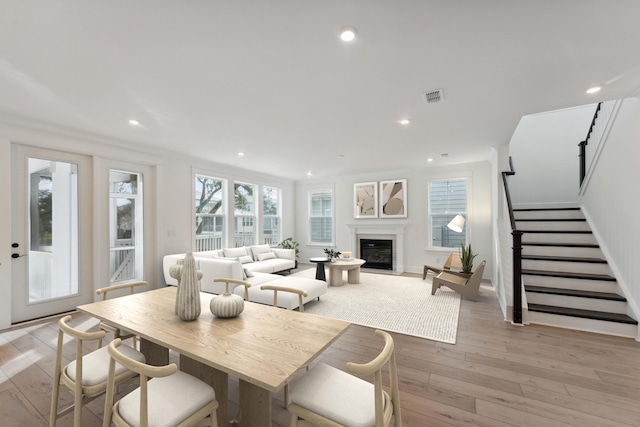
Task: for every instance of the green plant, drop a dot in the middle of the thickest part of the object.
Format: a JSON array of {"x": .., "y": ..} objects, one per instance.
[
  {"x": 466, "y": 258},
  {"x": 289, "y": 243},
  {"x": 331, "y": 254}
]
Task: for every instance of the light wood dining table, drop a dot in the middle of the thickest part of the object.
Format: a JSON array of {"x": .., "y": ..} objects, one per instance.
[{"x": 264, "y": 347}]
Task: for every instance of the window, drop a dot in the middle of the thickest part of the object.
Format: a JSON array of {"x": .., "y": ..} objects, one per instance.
[
  {"x": 321, "y": 216},
  {"x": 271, "y": 215},
  {"x": 244, "y": 213},
  {"x": 447, "y": 198},
  {"x": 125, "y": 226},
  {"x": 209, "y": 205}
]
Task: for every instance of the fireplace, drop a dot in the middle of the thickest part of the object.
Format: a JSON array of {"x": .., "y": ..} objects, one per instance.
[{"x": 377, "y": 253}]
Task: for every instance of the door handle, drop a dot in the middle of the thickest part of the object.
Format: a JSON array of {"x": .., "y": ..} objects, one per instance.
[{"x": 17, "y": 255}]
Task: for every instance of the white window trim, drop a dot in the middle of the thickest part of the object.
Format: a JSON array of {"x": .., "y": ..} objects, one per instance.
[
  {"x": 330, "y": 187},
  {"x": 468, "y": 176}
]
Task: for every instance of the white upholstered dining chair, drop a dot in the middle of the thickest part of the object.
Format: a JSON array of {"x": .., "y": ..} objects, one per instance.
[
  {"x": 166, "y": 396},
  {"x": 328, "y": 396},
  {"x": 86, "y": 376},
  {"x": 117, "y": 332}
]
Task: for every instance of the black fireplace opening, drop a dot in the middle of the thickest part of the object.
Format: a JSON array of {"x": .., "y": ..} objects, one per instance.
[{"x": 377, "y": 253}]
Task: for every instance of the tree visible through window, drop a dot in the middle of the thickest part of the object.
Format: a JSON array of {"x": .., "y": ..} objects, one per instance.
[
  {"x": 271, "y": 215},
  {"x": 209, "y": 213},
  {"x": 447, "y": 198},
  {"x": 244, "y": 212}
]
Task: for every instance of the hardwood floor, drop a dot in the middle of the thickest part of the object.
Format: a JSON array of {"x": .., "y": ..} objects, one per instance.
[{"x": 495, "y": 375}]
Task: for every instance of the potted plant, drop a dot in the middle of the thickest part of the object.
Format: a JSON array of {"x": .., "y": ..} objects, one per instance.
[
  {"x": 289, "y": 243},
  {"x": 466, "y": 258},
  {"x": 331, "y": 254}
]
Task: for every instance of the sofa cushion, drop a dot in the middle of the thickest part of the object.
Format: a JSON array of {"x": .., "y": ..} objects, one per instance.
[
  {"x": 260, "y": 249},
  {"x": 266, "y": 255},
  {"x": 235, "y": 252},
  {"x": 288, "y": 300}
]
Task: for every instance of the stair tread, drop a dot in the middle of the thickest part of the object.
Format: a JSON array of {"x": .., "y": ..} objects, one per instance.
[
  {"x": 557, "y": 231},
  {"x": 571, "y": 275},
  {"x": 560, "y": 244},
  {"x": 564, "y": 259},
  {"x": 589, "y": 314},
  {"x": 609, "y": 296},
  {"x": 545, "y": 209},
  {"x": 550, "y": 219}
]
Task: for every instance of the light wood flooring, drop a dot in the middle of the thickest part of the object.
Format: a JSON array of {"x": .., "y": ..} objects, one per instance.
[{"x": 495, "y": 375}]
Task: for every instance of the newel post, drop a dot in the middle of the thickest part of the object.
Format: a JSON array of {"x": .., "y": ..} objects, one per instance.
[
  {"x": 517, "y": 276},
  {"x": 583, "y": 160}
]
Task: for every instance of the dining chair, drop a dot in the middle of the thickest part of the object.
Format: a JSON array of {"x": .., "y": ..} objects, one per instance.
[
  {"x": 452, "y": 264},
  {"x": 331, "y": 397},
  {"x": 165, "y": 397},
  {"x": 301, "y": 294},
  {"x": 468, "y": 287},
  {"x": 117, "y": 332},
  {"x": 86, "y": 376},
  {"x": 275, "y": 288}
]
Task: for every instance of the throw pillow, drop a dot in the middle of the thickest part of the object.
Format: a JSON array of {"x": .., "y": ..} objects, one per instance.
[
  {"x": 260, "y": 249},
  {"x": 245, "y": 259},
  {"x": 247, "y": 273},
  {"x": 235, "y": 252},
  {"x": 268, "y": 255}
]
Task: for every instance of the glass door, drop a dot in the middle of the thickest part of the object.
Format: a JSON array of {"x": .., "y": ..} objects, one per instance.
[{"x": 51, "y": 233}]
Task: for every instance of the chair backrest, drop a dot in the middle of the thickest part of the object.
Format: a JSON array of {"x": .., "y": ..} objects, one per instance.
[
  {"x": 374, "y": 367},
  {"x": 81, "y": 337},
  {"x": 476, "y": 277},
  {"x": 301, "y": 293},
  {"x": 104, "y": 291},
  {"x": 453, "y": 262},
  {"x": 246, "y": 285},
  {"x": 142, "y": 369}
]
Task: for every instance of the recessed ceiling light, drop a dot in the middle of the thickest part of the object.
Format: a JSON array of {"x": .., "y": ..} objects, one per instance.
[
  {"x": 404, "y": 121},
  {"x": 240, "y": 153},
  {"x": 347, "y": 34},
  {"x": 309, "y": 173},
  {"x": 594, "y": 89},
  {"x": 134, "y": 122},
  {"x": 430, "y": 159}
]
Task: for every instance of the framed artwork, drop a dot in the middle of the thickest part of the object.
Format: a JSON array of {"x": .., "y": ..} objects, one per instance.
[
  {"x": 393, "y": 198},
  {"x": 365, "y": 199}
]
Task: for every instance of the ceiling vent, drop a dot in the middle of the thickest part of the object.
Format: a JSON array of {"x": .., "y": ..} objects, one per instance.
[{"x": 433, "y": 96}]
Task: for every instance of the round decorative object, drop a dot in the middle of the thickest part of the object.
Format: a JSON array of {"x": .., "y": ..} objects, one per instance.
[
  {"x": 188, "y": 305},
  {"x": 226, "y": 305}
]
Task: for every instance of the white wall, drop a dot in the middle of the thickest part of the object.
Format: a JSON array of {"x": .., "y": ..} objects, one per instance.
[
  {"x": 611, "y": 199},
  {"x": 168, "y": 196},
  {"x": 544, "y": 149},
  {"x": 416, "y": 252}
]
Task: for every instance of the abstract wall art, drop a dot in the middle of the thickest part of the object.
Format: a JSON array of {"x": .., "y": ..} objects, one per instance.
[
  {"x": 393, "y": 198},
  {"x": 365, "y": 196}
]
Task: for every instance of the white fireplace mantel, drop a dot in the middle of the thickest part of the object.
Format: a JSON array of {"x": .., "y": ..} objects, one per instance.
[{"x": 395, "y": 230}]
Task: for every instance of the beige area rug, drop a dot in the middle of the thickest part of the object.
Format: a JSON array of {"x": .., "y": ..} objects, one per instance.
[{"x": 392, "y": 303}]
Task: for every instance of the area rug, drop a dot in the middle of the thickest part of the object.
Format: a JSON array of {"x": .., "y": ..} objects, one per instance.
[{"x": 392, "y": 303}]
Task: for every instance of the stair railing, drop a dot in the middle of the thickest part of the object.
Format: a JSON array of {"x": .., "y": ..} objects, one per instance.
[
  {"x": 517, "y": 250},
  {"x": 583, "y": 145}
]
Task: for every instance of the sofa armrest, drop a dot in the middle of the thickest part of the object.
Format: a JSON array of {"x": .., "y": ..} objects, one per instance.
[{"x": 285, "y": 253}]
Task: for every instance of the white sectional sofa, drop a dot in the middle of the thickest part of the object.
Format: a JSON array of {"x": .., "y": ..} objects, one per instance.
[{"x": 258, "y": 270}]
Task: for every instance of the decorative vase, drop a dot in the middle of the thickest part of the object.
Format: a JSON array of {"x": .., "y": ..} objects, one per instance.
[
  {"x": 227, "y": 304},
  {"x": 188, "y": 305}
]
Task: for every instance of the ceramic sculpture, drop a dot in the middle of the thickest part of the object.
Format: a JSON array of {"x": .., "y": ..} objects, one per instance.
[
  {"x": 188, "y": 304},
  {"x": 227, "y": 304}
]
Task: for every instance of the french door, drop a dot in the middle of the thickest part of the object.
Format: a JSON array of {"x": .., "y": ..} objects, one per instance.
[{"x": 51, "y": 232}]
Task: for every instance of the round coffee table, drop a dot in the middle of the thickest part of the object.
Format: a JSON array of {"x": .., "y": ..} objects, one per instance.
[
  {"x": 338, "y": 266},
  {"x": 320, "y": 267}
]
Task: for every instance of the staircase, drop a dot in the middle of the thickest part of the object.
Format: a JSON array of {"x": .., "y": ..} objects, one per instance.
[{"x": 567, "y": 281}]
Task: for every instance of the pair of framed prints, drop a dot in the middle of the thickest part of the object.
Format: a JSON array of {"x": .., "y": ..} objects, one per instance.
[{"x": 384, "y": 199}]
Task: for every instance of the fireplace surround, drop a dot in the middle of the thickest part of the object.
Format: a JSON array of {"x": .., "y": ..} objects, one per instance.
[{"x": 393, "y": 232}]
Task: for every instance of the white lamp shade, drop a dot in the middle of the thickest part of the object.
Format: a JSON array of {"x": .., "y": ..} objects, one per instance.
[{"x": 457, "y": 224}]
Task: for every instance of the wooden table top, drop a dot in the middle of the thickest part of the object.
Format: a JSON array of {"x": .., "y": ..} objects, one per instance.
[{"x": 264, "y": 345}]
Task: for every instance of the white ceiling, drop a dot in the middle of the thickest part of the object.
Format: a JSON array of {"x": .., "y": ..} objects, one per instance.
[{"x": 272, "y": 79}]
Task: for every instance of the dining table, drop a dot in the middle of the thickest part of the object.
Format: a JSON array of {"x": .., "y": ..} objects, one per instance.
[{"x": 264, "y": 346}]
